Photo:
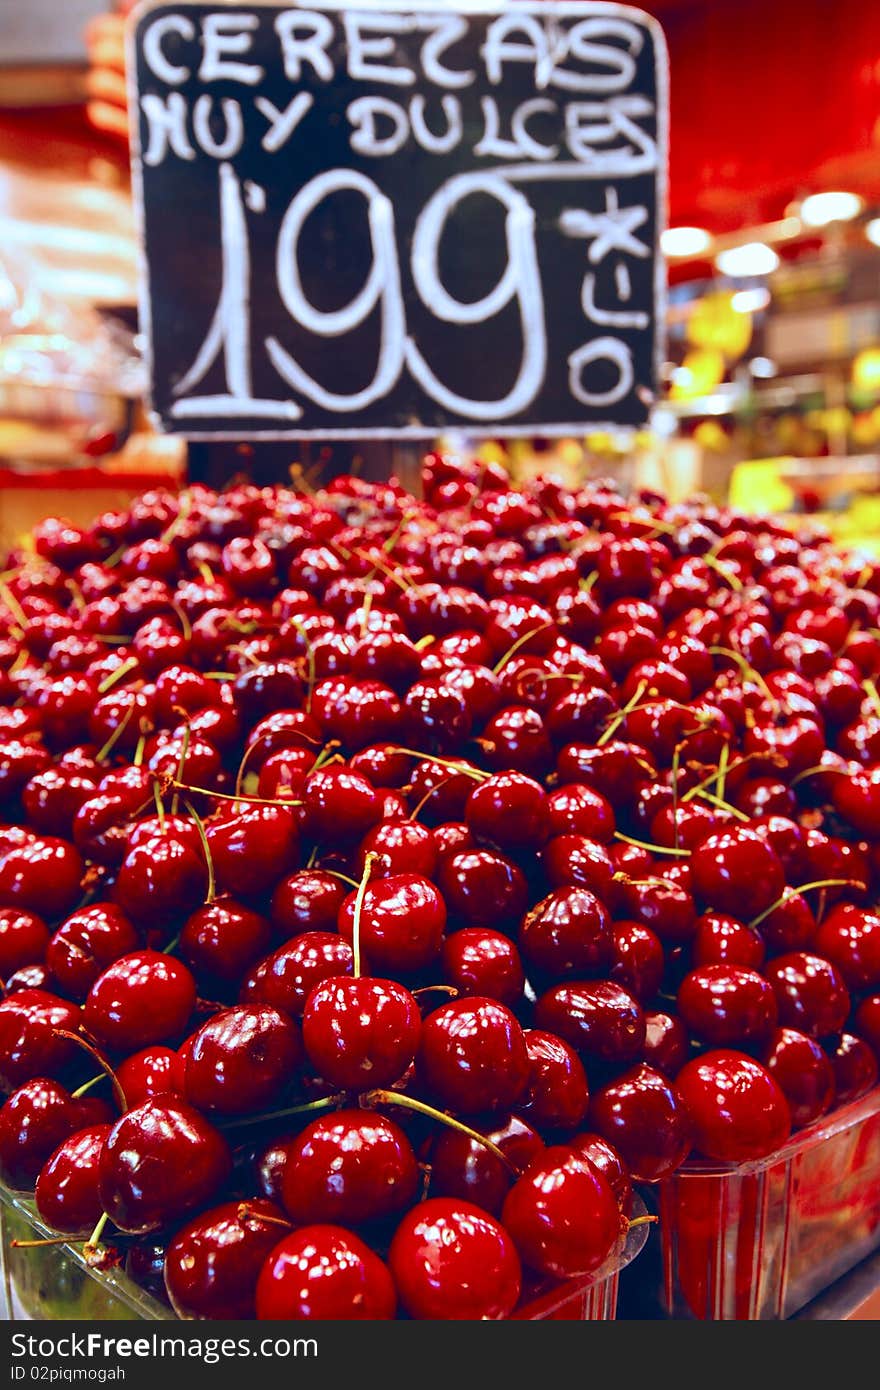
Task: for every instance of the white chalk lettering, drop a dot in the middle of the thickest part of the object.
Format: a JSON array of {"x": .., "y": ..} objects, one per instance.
[
  {"x": 166, "y": 127},
  {"x": 490, "y": 143},
  {"x": 437, "y": 144},
  {"x": 223, "y": 34},
  {"x": 203, "y": 115},
  {"x": 363, "y": 115},
  {"x": 448, "y": 29},
  {"x": 527, "y": 143},
  {"x": 580, "y": 44},
  {"x": 310, "y": 47},
  {"x": 499, "y": 48},
  {"x": 282, "y": 124},
  {"x": 157, "y": 62},
  {"x": 361, "y": 50},
  {"x": 601, "y": 349}
]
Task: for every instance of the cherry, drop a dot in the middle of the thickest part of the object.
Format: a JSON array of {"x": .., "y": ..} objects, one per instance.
[
  {"x": 724, "y": 1005},
  {"x": 637, "y": 960},
  {"x": 85, "y": 944},
  {"x": 213, "y": 1263},
  {"x": 23, "y": 940},
  {"x": 361, "y": 1032},
  {"x": 568, "y": 933},
  {"x": 33, "y": 1122},
  {"x": 722, "y": 940},
  {"x": 286, "y": 978},
  {"x": 477, "y": 960},
  {"x": 666, "y": 1046},
  {"x": 349, "y": 1167},
  {"x": 665, "y": 907},
  {"x": 867, "y": 1021},
  {"x": 810, "y": 993},
  {"x": 159, "y": 1162},
  {"x": 562, "y": 1215},
  {"x": 803, "y": 1073},
  {"x": 338, "y": 804},
  {"x": 252, "y": 848},
  {"x": 573, "y": 859},
  {"x": 52, "y": 799},
  {"x": 222, "y": 940},
  {"x": 557, "y": 1094},
  {"x": 600, "y": 1020},
  {"x": 42, "y": 876},
  {"x": 855, "y": 1068},
  {"x": 516, "y": 739},
  {"x": 401, "y": 847},
  {"x": 473, "y": 1056},
  {"x": 480, "y": 886},
  {"x": 241, "y": 1060},
  {"x": 155, "y": 1071},
  {"x": 30, "y": 1041},
  {"x": 451, "y": 1260},
  {"x": 575, "y": 809},
  {"x": 849, "y": 937},
  {"x": 142, "y": 998},
  {"x": 736, "y": 1109},
  {"x": 605, "y": 1159},
  {"x": 324, "y": 1272},
  {"x": 463, "y": 1167},
  {"x": 641, "y": 1116},
  {"x": 402, "y": 922},
  {"x": 67, "y": 1188},
  {"x": 160, "y": 876},
  {"x": 307, "y": 901},
  {"x": 508, "y": 810}
]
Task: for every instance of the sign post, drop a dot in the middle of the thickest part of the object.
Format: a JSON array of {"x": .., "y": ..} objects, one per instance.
[{"x": 379, "y": 222}]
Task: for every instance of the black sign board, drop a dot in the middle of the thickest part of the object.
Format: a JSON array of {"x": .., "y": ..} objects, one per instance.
[{"x": 385, "y": 220}]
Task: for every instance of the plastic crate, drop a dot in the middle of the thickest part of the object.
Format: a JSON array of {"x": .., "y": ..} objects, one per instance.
[
  {"x": 53, "y": 1282},
  {"x": 760, "y": 1240}
]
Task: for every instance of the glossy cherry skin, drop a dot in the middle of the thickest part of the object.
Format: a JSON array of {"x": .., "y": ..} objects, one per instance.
[
  {"x": 508, "y": 810},
  {"x": 253, "y": 848},
  {"x": 575, "y": 809},
  {"x": 361, "y": 1033},
  {"x": 849, "y": 937},
  {"x": 463, "y": 1167},
  {"x": 161, "y": 1161},
  {"x": 567, "y": 934},
  {"x": 722, "y": 940},
  {"x": 349, "y": 1167},
  {"x": 401, "y": 925},
  {"x": 854, "y": 1065},
  {"x": 606, "y": 1160},
  {"x": 155, "y": 1071},
  {"x": 402, "y": 847},
  {"x": 213, "y": 1263},
  {"x": 637, "y": 960},
  {"x": 452, "y": 1260},
  {"x": 85, "y": 944},
  {"x": 557, "y": 1096},
  {"x": 286, "y": 978},
  {"x": 33, "y": 1122},
  {"x": 667, "y": 1045},
  {"x": 308, "y": 900},
  {"x": 142, "y": 998},
  {"x": 737, "y": 872},
  {"x": 23, "y": 940},
  {"x": 323, "y": 1273},
  {"x": 481, "y": 887},
  {"x": 665, "y": 907},
  {"x": 641, "y": 1116},
  {"x": 726, "y": 1005},
  {"x": 164, "y": 876},
  {"x": 803, "y": 1073},
  {"x": 67, "y": 1195},
  {"x": 562, "y": 1215},
  {"x": 472, "y": 1056},
  {"x": 338, "y": 803},
  {"x": 222, "y": 940},
  {"x": 810, "y": 993},
  {"x": 599, "y": 1019},
  {"x": 30, "y": 1044},
  {"x": 477, "y": 960},
  {"x": 573, "y": 859},
  {"x": 736, "y": 1110},
  {"x": 241, "y": 1060},
  {"x": 866, "y": 1022},
  {"x": 42, "y": 876}
]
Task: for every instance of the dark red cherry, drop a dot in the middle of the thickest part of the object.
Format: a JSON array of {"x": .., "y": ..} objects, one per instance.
[
  {"x": 401, "y": 847},
  {"x": 727, "y": 1005},
  {"x": 401, "y": 924},
  {"x": 463, "y": 1167},
  {"x": 803, "y": 1073},
  {"x": 867, "y": 1022},
  {"x": 30, "y": 1042},
  {"x": 508, "y": 810},
  {"x": 849, "y": 937},
  {"x": 161, "y": 1161},
  {"x": 85, "y": 944},
  {"x": 352, "y": 1166},
  {"x": 67, "y": 1194},
  {"x": 338, "y": 804},
  {"x": 737, "y": 872},
  {"x": 477, "y": 960},
  {"x": 453, "y": 1261},
  {"x": 142, "y": 998},
  {"x": 599, "y": 1019},
  {"x": 573, "y": 859},
  {"x": 855, "y": 1067},
  {"x": 481, "y": 887},
  {"x": 473, "y": 1057},
  {"x": 307, "y": 901},
  {"x": 213, "y": 1263},
  {"x": 567, "y": 934},
  {"x": 575, "y": 809},
  {"x": 155, "y": 1071},
  {"x": 361, "y": 1033},
  {"x": 637, "y": 960},
  {"x": 562, "y": 1215},
  {"x": 242, "y": 1059},
  {"x": 606, "y": 1160},
  {"x": 42, "y": 876},
  {"x": 33, "y": 1122},
  {"x": 722, "y": 940},
  {"x": 556, "y": 1095},
  {"x": 666, "y": 1046},
  {"x": 641, "y": 1116},
  {"x": 737, "y": 1111},
  {"x": 252, "y": 848},
  {"x": 23, "y": 940},
  {"x": 161, "y": 877},
  {"x": 223, "y": 939},
  {"x": 321, "y": 1273},
  {"x": 810, "y": 993},
  {"x": 286, "y": 978}
]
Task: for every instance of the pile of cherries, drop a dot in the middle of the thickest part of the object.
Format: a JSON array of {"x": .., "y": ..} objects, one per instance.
[{"x": 387, "y": 884}]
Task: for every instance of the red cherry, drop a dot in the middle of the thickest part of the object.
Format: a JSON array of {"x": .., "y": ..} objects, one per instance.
[
  {"x": 479, "y": 961},
  {"x": 252, "y": 848},
  {"x": 562, "y": 1215},
  {"x": 42, "y": 876},
  {"x": 480, "y": 887},
  {"x": 567, "y": 934},
  {"x": 463, "y": 1167},
  {"x": 286, "y": 978},
  {"x": 850, "y": 938},
  {"x": 451, "y": 1260},
  {"x": 575, "y": 809},
  {"x": 361, "y": 1032},
  {"x": 473, "y": 1056},
  {"x": 641, "y": 1116},
  {"x": 508, "y": 810},
  {"x": 605, "y": 1159},
  {"x": 308, "y": 900},
  {"x": 159, "y": 877},
  {"x": 213, "y": 1263},
  {"x": 666, "y": 1045},
  {"x": 573, "y": 859},
  {"x": 142, "y": 998},
  {"x": 803, "y": 1073},
  {"x": 736, "y": 1109},
  {"x": 160, "y": 1161},
  {"x": 222, "y": 940},
  {"x": 67, "y": 1195},
  {"x": 85, "y": 944},
  {"x": 855, "y": 1068},
  {"x": 30, "y": 1044},
  {"x": 338, "y": 804},
  {"x": 241, "y": 1060},
  {"x": 810, "y": 993},
  {"x": 737, "y": 872},
  {"x": 724, "y": 1005},
  {"x": 23, "y": 940},
  {"x": 401, "y": 925},
  {"x": 155, "y": 1071},
  {"x": 321, "y": 1273},
  {"x": 637, "y": 960},
  {"x": 867, "y": 1021},
  {"x": 33, "y": 1122},
  {"x": 722, "y": 940},
  {"x": 557, "y": 1094},
  {"x": 352, "y": 1166},
  {"x": 401, "y": 847},
  {"x": 600, "y": 1020}
]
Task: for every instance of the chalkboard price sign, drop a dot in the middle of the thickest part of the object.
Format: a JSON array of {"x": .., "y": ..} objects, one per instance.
[{"x": 380, "y": 220}]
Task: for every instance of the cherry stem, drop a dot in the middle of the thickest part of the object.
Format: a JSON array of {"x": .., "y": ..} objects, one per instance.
[
  {"x": 654, "y": 849},
  {"x": 464, "y": 768},
  {"x": 231, "y": 796},
  {"x": 206, "y": 850},
  {"x": 870, "y": 689},
  {"x": 157, "y": 797},
  {"x": 185, "y": 624},
  {"x": 747, "y": 670},
  {"x": 520, "y": 642},
  {"x": 104, "y": 753},
  {"x": 369, "y": 861},
  {"x": 792, "y": 892},
  {"x": 87, "y": 1085},
  {"x": 14, "y": 607},
  {"x": 436, "y": 989},
  {"x": 140, "y": 750},
  {"x": 181, "y": 767},
  {"x": 724, "y": 806},
  {"x": 184, "y": 507},
  {"x": 621, "y": 714},
  {"x": 122, "y": 670},
  {"x": 206, "y": 572},
  {"x": 310, "y": 659},
  {"x": 814, "y": 771},
  {"x": 646, "y": 1220},
  {"x": 370, "y": 1098},
  {"x": 102, "y": 1062},
  {"x": 334, "y": 873},
  {"x": 327, "y": 754},
  {"x": 91, "y": 1247},
  {"x": 325, "y": 1103},
  {"x": 249, "y": 1213}
]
